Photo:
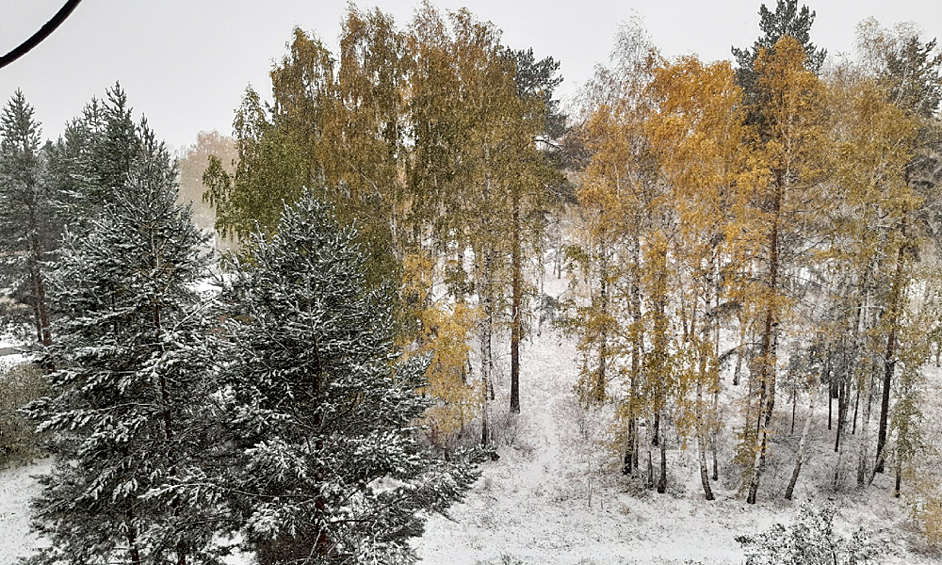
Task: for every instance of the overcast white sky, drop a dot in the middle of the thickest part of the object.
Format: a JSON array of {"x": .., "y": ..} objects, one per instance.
[{"x": 185, "y": 63}]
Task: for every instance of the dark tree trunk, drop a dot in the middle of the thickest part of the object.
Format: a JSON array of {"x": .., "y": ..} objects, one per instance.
[
  {"x": 662, "y": 479},
  {"x": 650, "y": 470},
  {"x": 830, "y": 409},
  {"x": 716, "y": 464},
  {"x": 40, "y": 308},
  {"x": 767, "y": 362},
  {"x": 889, "y": 358},
  {"x": 655, "y": 437},
  {"x": 714, "y": 435},
  {"x": 899, "y": 473},
  {"x": 133, "y": 550},
  {"x": 794, "y": 408},
  {"x": 833, "y": 385},
  {"x": 701, "y": 447},
  {"x": 600, "y": 377},
  {"x": 627, "y": 465},
  {"x": 515, "y": 314},
  {"x": 322, "y": 543},
  {"x": 842, "y": 404}
]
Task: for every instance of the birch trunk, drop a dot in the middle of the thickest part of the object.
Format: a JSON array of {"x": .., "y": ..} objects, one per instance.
[{"x": 800, "y": 457}]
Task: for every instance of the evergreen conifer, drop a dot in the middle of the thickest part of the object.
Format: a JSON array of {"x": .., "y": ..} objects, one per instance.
[
  {"x": 327, "y": 467},
  {"x": 128, "y": 383}
]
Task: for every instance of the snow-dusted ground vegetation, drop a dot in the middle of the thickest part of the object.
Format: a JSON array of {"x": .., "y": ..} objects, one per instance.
[{"x": 17, "y": 486}]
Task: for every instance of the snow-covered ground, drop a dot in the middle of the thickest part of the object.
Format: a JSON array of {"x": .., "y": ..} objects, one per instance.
[
  {"x": 17, "y": 486},
  {"x": 10, "y": 350},
  {"x": 556, "y": 495}
]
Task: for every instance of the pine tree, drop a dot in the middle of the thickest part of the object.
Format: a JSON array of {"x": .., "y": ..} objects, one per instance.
[
  {"x": 538, "y": 122},
  {"x": 115, "y": 149},
  {"x": 129, "y": 383},
  {"x": 28, "y": 220},
  {"x": 328, "y": 468},
  {"x": 786, "y": 20},
  {"x": 67, "y": 158},
  {"x": 93, "y": 158},
  {"x": 789, "y": 163}
]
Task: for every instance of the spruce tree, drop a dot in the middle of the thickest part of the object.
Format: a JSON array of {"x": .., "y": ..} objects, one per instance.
[
  {"x": 128, "y": 383},
  {"x": 538, "y": 122},
  {"x": 327, "y": 467}
]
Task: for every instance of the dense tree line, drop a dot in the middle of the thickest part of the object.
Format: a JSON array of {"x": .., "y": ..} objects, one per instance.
[
  {"x": 778, "y": 217},
  {"x": 439, "y": 142},
  {"x": 738, "y": 239}
]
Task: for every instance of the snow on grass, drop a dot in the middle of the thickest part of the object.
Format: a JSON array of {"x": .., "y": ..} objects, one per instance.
[
  {"x": 13, "y": 348},
  {"x": 557, "y": 496}
]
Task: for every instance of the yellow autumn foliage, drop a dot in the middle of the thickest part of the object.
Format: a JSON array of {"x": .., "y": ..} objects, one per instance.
[{"x": 443, "y": 329}]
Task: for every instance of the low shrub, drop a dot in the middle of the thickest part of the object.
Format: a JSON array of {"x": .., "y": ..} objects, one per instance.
[
  {"x": 809, "y": 540},
  {"x": 19, "y": 442}
]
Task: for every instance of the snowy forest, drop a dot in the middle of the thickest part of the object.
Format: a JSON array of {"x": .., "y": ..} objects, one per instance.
[{"x": 415, "y": 309}]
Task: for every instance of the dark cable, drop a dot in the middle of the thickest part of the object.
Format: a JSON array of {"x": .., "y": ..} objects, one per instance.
[{"x": 40, "y": 35}]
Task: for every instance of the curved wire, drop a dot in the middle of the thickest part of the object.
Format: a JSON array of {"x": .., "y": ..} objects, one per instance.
[{"x": 40, "y": 35}]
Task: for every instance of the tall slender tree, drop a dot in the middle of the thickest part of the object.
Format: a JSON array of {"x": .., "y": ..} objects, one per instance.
[
  {"x": 616, "y": 196},
  {"x": 790, "y": 163},
  {"x": 696, "y": 133},
  {"x": 28, "y": 219},
  {"x": 909, "y": 69},
  {"x": 539, "y": 123}
]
